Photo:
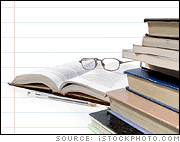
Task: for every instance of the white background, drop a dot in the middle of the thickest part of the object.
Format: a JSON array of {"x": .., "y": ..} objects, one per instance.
[{"x": 52, "y": 33}]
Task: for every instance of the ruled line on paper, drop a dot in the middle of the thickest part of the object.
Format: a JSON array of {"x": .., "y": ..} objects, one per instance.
[
  {"x": 16, "y": 97},
  {"x": 46, "y": 127},
  {"x": 71, "y": 37},
  {"x": 25, "y": 67},
  {"x": 76, "y": 22},
  {"x": 46, "y": 112},
  {"x": 61, "y": 52}
]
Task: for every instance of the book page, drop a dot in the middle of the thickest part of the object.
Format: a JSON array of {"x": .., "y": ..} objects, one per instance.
[
  {"x": 62, "y": 73},
  {"x": 103, "y": 80}
]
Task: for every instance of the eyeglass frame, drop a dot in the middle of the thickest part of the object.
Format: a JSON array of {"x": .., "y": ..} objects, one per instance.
[{"x": 96, "y": 59}]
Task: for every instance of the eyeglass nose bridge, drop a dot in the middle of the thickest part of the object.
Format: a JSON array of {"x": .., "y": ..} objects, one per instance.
[{"x": 96, "y": 59}]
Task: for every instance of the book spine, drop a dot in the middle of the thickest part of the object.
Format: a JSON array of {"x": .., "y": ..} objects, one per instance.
[
  {"x": 157, "y": 102},
  {"x": 128, "y": 122}
]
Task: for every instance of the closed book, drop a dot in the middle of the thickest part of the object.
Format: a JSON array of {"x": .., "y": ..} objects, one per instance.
[
  {"x": 108, "y": 123},
  {"x": 163, "y": 27},
  {"x": 155, "y": 101},
  {"x": 156, "y": 51},
  {"x": 157, "y": 86},
  {"x": 94, "y": 129},
  {"x": 161, "y": 42},
  {"x": 169, "y": 72},
  {"x": 147, "y": 114},
  {"x": 139, "y": 128},
  {"x": 160, "y": 61}
]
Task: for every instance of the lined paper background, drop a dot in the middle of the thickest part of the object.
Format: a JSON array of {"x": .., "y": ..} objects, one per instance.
[{"x": 37, "y": 35}]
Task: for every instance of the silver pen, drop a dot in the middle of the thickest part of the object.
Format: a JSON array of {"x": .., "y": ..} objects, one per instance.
[{"x": 58, "y": 98}]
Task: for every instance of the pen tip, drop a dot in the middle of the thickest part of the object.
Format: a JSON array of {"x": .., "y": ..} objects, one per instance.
[{"x": 91, "y": 104}]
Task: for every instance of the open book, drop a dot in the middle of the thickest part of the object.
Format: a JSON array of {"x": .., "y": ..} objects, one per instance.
[{"x": 71, "y": 77}]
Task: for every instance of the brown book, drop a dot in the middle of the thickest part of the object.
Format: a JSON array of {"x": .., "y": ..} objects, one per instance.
[
  {"x": 147, "y": 114},
  {"x": 163, "y": 27}
]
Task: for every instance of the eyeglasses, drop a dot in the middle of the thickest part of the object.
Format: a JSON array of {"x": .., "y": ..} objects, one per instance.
[{"x": 109, "y": 64}]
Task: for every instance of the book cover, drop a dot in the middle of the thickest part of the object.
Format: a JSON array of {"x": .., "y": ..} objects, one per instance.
[
  {"x": 147, "y": 114},
  {"x": 166, "y": 27},
  {"x": 113, "y": 124},
  {"x": 142, "y": 130},
  {"x": 159, "y": 79},
  {"x": 150, "y": 99},
  {"x": 162, "y": 19},
  {"x": 154, "y": 85},
  {"x": 157, "y": 86}
]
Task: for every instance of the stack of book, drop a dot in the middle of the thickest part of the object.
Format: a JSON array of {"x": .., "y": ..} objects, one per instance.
[
  {"x": 160, "y": 48},
  {"x": 150, "y": 104}
]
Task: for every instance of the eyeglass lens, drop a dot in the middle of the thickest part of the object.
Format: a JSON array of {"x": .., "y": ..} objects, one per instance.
[
  {"x": 110, "y": 64},
  {"x": 88, "y": 64}
]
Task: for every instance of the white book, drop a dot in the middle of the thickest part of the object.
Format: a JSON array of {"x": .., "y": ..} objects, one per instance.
[
  {"x": 160, "y": 61},
  {"x": 161, "y": 42},
  {"x": 156, "y": 51}
]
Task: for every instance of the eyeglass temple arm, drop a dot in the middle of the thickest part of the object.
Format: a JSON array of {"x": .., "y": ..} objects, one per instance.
[
  {"x": 132, "y": 61},
  {"x": 127, "y": 61}
]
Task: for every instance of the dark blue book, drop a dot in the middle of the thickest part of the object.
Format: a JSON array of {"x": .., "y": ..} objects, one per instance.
[
  {"x": 109, "y": 123},
  {"x": 157, "y": 87},
  {"x": 128, "y": 122}
]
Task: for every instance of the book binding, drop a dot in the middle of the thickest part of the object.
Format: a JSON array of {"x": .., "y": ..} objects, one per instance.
[{"x": 161, "y": 80}]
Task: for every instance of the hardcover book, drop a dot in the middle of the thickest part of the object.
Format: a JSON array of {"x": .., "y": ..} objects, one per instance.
[
  {"x": 154, "y": 118},
  {"x": 156, "y": 51},
  {"x": 166, "y": 71},
  {"x": 156, "y": 86},
  {"x": 160, "y": 61},
  {"x": 94, "y": 129},
  {"x": 109, "y": 124},
  {"x": 161, "y": 42},
  {"x": 163, "y": 27}
]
